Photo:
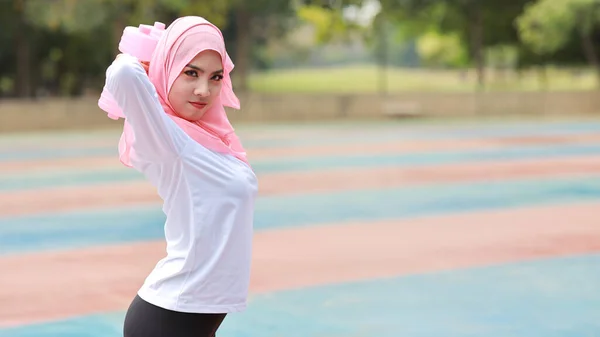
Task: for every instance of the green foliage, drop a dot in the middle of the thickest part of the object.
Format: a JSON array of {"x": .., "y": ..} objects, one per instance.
[
  {"x": 447, "y": 50},
  {"x": 502, "y": 56},
  {"x": 215, "y": 11},
  {"x": 79, "y": 15},
  {"x": 64, "y": 46},
  {"x": 326, "y": 23},
  {"x": 547, "y": 25},
  {"x": 67, "y": 15},
  {"x": 415, "y": 18}
]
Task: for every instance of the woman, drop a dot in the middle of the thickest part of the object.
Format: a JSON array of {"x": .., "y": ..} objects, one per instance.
[{"x": 177, "y": 134}]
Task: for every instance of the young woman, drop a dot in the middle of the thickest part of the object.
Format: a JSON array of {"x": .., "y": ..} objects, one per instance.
[{"x": 177, "y": 134}]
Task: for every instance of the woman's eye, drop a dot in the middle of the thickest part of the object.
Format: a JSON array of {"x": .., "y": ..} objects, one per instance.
[
  {"x": 192, "y": 73},
  {"x": 217, "y": 77}
]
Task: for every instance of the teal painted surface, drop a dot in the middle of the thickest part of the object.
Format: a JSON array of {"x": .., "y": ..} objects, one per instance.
[
  {"x": 545, "y": 298},
  {"x": 45, "y": 146},
  {"x": 77, "y": 177},
  {"x": 556, "y": 298},
  {"x": 86, "y": 228}
]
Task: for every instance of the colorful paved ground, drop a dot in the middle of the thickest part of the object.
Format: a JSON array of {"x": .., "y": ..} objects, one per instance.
[{"x": 361, "y": 230}]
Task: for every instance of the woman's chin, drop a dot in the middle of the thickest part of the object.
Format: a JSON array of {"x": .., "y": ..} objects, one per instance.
[
  {"x": 195, "y": 116},
  {"x": 192, "y": 115}
]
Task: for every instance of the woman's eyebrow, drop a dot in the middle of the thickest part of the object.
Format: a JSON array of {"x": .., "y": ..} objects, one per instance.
[{"x": 220, "y": 71}]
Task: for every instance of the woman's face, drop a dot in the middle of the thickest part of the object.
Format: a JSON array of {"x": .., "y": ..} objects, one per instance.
[{"x": 197, "y": 86}]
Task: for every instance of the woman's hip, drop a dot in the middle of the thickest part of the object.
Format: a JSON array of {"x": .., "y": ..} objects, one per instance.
[{"x": 144, "y": 319}]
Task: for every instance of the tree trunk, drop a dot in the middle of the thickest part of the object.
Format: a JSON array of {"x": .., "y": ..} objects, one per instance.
[
  {"x": 476, "y": 37},
  {"x": 242, "y": 50},
  {"x": 382, "y": 54},
  {"x": 542, "y": 72},
  {"x": 118, "y": 25},
  {"x": 590, "y": 53},
  {"x": 22, "y": 82}
]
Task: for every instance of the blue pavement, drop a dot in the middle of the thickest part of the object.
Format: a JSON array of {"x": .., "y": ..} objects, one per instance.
[
  {"x": 543, "y": 298},
  {"x": 555, "y": 297},
  {"x": 78, "y": 177},
  {"x": 78, "y": 229}
]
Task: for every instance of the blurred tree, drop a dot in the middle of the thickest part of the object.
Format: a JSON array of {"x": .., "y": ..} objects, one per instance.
[
  {"x": 548, "y": 26},
  {"x": 253, "y": 23},
  {"x": 445, "y": 50},
  {"x": 381, "y": 42},
  {"x": 66, "y": 44},
  {"x": 478, "y": 23},
  {"x": 13, "y": 19},
  {"x": 329, "y": 21},
  {"x": 74, "y": 16}
]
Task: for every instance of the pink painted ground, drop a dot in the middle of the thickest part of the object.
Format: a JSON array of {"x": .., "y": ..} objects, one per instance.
[
  {"x": 132, "y": 193},
  {"x": 324, "y": 149},
  {"x": 104, "y": 278}
]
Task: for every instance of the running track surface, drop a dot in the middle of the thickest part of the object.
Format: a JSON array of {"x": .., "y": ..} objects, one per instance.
[{"x": 466, "y": 229}]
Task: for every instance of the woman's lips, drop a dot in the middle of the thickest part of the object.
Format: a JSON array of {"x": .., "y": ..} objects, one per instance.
[{"x": 198, "y": 105}]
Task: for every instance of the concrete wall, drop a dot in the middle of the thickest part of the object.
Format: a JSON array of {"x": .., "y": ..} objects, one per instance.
[{"x": 56, "y": 113}]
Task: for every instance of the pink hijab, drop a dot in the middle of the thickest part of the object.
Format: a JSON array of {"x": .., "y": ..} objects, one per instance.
[{"x": 179, "y": 44}]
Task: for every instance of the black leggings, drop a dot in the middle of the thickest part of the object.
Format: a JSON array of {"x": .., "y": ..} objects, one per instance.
[{"x": 147, "y": 320}]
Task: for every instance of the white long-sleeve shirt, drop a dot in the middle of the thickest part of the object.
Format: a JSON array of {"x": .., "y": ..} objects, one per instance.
[{"x": 208, "y": 200}]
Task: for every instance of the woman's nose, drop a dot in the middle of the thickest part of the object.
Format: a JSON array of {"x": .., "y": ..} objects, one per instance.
[{"x": 202, "y": 90}]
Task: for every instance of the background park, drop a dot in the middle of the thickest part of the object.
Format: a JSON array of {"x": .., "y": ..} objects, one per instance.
[{"x": 426, "y": 167}]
